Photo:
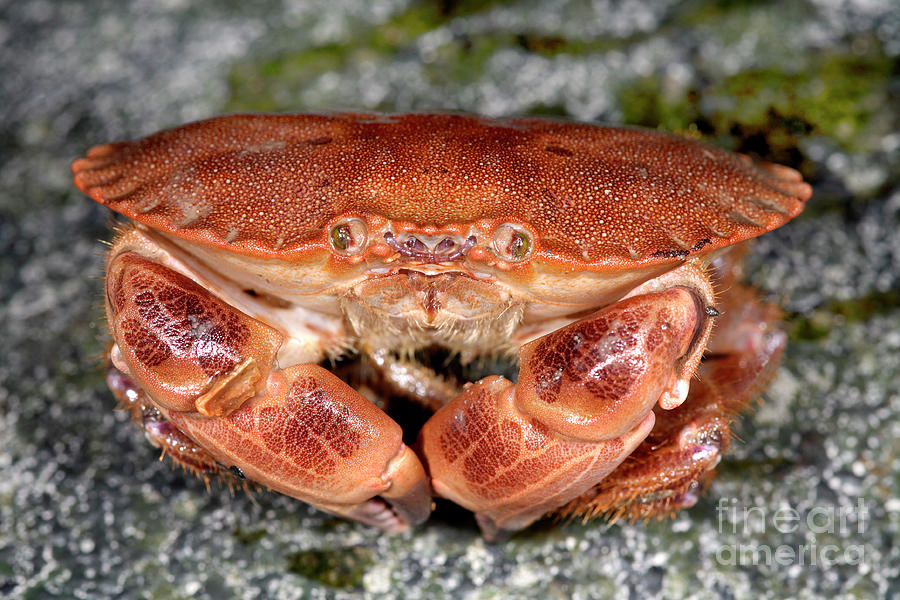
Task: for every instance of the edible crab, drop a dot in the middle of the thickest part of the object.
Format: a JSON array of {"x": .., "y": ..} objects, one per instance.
[{"x": 288, "y": 278}]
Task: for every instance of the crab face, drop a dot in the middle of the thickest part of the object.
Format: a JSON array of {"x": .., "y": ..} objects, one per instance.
[{"x": 266, "y": 245}]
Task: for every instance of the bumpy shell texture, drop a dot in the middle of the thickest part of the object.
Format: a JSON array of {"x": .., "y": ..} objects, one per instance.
[{"x": 267, "y": 185}]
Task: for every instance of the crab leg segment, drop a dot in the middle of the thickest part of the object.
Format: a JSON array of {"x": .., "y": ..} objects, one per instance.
[
  {"x": 186, "y": 348},
  {"x": 313, "y": 437},
  {"x": 582, "y": 404},
  {"x": 209, "y": 371}
]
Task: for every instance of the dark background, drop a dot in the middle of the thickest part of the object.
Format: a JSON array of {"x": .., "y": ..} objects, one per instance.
[{"x": 87, "y": 511}]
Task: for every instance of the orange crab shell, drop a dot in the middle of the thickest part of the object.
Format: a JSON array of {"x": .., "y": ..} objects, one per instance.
[{"x": 597, "y": 198}]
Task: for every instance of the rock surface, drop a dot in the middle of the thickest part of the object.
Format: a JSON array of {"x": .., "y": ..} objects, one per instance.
[{"x": 87, "y": 512}]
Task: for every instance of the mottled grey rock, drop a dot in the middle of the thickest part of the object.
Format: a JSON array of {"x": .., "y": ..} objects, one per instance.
[{"x": 86, "y": 510}]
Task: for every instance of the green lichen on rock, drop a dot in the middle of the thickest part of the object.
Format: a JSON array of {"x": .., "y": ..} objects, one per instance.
[
  {"x": 273, "y": 83},
  {"x": 342, "y": 568},
  {"x": 838, "y": 313},
  {"x": 837, "y": 96},
  {"x": 249, "y": 536},
  {"x": 268, "y": 85},
  {"x": 647, "y": 102}
]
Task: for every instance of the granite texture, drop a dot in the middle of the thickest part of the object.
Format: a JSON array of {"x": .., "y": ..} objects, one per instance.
[{"x": 86, "y": 510}]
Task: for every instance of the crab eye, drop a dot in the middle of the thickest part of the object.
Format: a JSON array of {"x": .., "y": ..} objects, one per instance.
[
  {"x": 349, "y": 237},
  {"x": 512, "y": 242}
]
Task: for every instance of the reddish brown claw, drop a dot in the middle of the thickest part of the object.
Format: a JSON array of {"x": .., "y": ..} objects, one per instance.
[
  {"x": 205, "y": 372},
  {"x": 313, "y": 437},
  {"x": 581, "y": 406}
]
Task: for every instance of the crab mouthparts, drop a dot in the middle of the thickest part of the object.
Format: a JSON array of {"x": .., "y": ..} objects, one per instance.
[
  {"x": 430, "y": 249},
  {"x": 429, "y": 288}
]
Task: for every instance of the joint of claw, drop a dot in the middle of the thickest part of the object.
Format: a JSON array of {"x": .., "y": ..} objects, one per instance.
[
  {"x": 394, "y": 464},
  {"x": 230, "y": 391}
]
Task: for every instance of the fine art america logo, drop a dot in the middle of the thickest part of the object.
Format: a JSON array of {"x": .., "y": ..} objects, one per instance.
[{"x": 808, "y": 536}]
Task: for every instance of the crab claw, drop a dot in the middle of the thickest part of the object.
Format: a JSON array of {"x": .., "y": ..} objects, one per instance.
[
  {"x": 597, "y": 378},
  {"x": 209, "y": 371},
  {"x": 582, "y": 404},
  {"x": 312, "y": 437}
]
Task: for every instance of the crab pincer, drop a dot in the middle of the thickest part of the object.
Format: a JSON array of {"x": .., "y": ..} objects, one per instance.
[
  {"x": 210, "y": 371},
  {"x": 583, "y": 402}
]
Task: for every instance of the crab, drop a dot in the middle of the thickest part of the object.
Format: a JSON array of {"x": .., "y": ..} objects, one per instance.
[{"x": 292, "y": 285}]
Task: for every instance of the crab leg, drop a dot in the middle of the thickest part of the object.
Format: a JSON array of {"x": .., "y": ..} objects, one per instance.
[
  {"x": 583, "y": 402},
  {"x": 209, "y": 370}
]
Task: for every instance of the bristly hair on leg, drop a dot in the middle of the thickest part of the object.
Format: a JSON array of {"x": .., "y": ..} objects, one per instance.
[{"x": 172, "y": 443}]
